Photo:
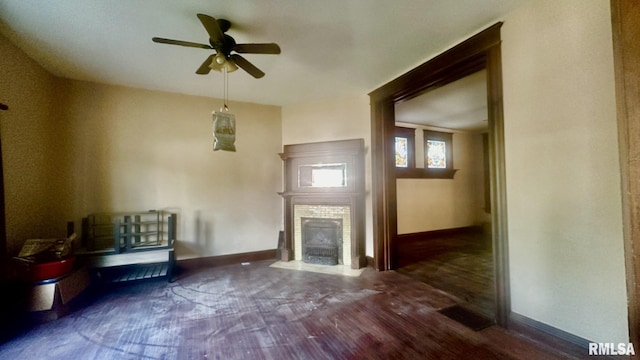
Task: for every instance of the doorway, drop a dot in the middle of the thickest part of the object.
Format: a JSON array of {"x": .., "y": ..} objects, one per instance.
[
  {"x": 444, "y": 222},
  {"x": 480, "y": 52}
]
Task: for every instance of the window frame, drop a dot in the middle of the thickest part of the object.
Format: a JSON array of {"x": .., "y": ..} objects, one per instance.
[
  {"x": 447, "y": 138},
  {"x": 410, "y": 135},
  {"x": 423, "y": 172}
]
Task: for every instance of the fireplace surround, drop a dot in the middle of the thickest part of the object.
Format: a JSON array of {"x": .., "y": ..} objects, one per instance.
[{"x": 324, "y": 188}]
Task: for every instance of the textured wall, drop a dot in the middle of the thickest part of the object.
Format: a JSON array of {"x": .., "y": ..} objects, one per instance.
[
  {"x": 563, "y": 178},
  {"x": 71, "y": 148},
  {"x": 129, "y": 149},
  {"x": 28, "y": 149},
  {"x": 435, "y": 204},
  {"x": 335, "y": 119}
]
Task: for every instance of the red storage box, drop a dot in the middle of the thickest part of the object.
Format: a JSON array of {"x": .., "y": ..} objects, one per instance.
[{"x": 50, "y": 270}]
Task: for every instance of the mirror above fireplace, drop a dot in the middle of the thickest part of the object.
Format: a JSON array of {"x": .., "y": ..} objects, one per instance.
[{"x": 322, "y": 175}]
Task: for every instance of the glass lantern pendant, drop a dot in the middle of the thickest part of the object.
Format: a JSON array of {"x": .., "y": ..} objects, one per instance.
[
  {"x": 223, "y": 124},
  {"x": 224, "y": 130}
]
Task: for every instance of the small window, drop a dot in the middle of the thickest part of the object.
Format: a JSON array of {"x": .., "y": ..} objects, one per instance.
[
  {"x": 402, "y": 152},
  {"x": 438, "y": 154},
  {"x": 405, "y": 147}
]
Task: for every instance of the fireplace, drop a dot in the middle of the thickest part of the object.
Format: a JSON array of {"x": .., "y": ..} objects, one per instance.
[
  {"x": 321, "y": 241},
  {"x": 335, "y": 213},
  {"x": 324, "y": 203}
]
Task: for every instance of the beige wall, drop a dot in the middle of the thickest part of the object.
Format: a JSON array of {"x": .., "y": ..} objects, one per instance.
[
  {"x": 116, "y": 148},
  {"x": 30, "y": 198},
  {"x": 130, "y": 149},
  {"x": 334, "y": 119},
  {"x": 435, "y": 204},
  {"x": 564, "y": 205},
  {"x": 71, "y": 148}
]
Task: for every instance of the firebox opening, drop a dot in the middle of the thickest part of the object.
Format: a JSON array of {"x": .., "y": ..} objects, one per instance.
[{"x": 322, "y": 241}]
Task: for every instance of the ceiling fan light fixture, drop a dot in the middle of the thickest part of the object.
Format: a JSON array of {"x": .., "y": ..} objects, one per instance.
[
  {"x": 223, "y": 45},
  {"x": 220, "y": 62},
  {"x": 231, "y": 66},
  {"x": 220, "y": 59}
]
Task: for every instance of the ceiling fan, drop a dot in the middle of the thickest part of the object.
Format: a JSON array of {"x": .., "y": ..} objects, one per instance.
[{"x": 224, "y": 45}]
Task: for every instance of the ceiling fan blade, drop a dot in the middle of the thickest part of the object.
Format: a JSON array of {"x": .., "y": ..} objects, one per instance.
[
  {"x": 247, "y": 66},
  {"x": 270, "y": 48},
  {"x": 181, "y": 43},
  {"x": 204, "y": 68},
  {"x": 213, "y": 29}
]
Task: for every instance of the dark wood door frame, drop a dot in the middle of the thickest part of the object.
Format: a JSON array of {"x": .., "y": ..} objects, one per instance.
[
  {"x": 626, "y": 30},
  {"x": 482, "y": 51},
  {"x": 3, "y": 231}
]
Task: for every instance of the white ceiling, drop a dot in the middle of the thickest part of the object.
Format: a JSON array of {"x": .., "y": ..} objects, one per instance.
[
  {"x": 330, "y": 48},
  {"x": 460, "y": 105}
]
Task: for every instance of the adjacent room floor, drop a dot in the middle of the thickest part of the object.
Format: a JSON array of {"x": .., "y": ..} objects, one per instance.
[
  {"x": 460, "y": 264},
  {"x": 259, "y": 312}
]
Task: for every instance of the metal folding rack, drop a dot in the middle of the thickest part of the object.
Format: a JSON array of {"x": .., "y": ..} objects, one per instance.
[{"x": 129, "y": 246}]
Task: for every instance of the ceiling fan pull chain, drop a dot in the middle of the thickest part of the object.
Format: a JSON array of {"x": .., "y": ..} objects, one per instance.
[{"x": 226, "y": 88}]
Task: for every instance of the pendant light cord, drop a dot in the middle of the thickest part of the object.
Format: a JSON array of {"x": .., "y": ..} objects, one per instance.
[{"x": 226, "y": 88}]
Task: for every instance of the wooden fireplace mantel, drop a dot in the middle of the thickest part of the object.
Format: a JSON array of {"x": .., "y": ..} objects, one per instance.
[{"x": 351, "y": 193}]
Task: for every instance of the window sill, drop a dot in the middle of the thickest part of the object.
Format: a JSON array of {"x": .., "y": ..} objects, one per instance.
[{"x": 419, "y": 173}]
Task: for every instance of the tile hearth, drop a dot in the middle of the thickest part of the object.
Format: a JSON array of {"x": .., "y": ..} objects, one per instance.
[{"x": 322, "y": 269}]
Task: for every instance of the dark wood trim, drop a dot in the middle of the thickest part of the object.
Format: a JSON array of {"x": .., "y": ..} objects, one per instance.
[
  {"x": 486, "y": 173},
  {"x": 420, "y": 173},
  {"x": 383, "y": 181},
  {"x": 626, "y": 32},
  {"x": 351, "y": 152},
  {"x": 549, "y": 335},
  {"x": 497, "y": 161},
  {"x": 3, "y": 224},
  {"x": 370, "y": 262},
  {"x": 462, "y": 60},
  {"x": 211, "y": 261},
  {"x": 428, "y": 235},
  {"x": 323, "y": 148},
  {"x": 481, "y": 51}
]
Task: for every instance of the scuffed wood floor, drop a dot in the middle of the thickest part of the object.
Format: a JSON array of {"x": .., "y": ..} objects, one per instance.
[
  {"x": 461, "y": 265},
  {"x": 258, "y": 312}
]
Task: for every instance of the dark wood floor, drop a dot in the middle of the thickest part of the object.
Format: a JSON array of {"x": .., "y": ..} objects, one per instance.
[
  {"x": 258, "y": 312},
  {"x": 460, "y": 264}
]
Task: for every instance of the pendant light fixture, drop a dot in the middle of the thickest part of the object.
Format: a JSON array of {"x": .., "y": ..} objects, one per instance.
[{"x": 223, "y": 123}]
